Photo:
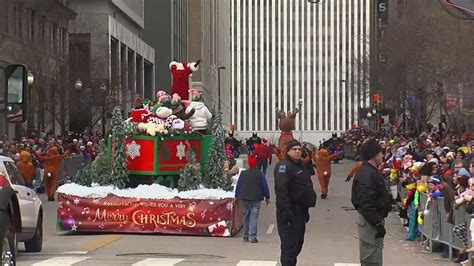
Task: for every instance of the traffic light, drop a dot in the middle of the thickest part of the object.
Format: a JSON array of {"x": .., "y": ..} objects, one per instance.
[{"x": 376, "y": 98}]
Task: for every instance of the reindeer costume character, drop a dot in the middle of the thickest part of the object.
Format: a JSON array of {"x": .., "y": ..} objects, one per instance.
[{"x": 286, "y": 125}]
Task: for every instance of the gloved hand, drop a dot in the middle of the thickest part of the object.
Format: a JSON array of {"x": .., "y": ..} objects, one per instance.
[
  {"x": 286, "y": 216},
  {"x": 348, "y": 178},
  {"x": 270, "y": 161},
  {"x": 380, "y": 231},
  {"x": 306, "y": 217}
]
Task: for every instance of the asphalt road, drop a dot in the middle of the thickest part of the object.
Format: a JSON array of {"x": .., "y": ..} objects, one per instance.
[{"x": 331, "y": 239}]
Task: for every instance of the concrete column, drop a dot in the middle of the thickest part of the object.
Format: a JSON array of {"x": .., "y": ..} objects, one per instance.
[
  {"x": 153, "y": 88},
  {"x": 118, "y": 55},
  {"x": 132, "y": 76},
  {"x": 124, "y": 78},
  {"x": 142, "y": 77}
]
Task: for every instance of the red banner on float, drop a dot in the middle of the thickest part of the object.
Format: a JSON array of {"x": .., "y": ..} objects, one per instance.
[{"x": 133, "y": 215}]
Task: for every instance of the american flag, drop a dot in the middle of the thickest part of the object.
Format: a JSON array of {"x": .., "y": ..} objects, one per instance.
[{"x": 15, "y": 115}]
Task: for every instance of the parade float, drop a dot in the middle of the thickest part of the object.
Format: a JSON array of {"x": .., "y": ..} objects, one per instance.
[{"x": 160, "y": 171}]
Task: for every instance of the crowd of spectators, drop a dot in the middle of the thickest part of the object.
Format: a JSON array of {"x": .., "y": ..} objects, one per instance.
[{"x": 435, "y": 163}]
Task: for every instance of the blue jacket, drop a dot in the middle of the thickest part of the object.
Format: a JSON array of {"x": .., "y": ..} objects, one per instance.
[{"x": 252, "y": 185}]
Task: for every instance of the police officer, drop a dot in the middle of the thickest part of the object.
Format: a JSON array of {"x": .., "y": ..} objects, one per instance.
[
  {"x": 372, "y": 201},
  {"x": 294, "y": 195}
]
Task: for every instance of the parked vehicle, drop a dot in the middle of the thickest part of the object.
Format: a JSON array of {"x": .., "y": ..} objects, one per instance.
[{"x": 21, "y": 211}]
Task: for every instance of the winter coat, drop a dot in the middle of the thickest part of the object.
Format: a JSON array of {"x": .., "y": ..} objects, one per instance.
[
  {"x": 293, "y": 185},
  {"x": 369, "y": 195},
  {"x": 252, "y": 185},
  {"x": 262, "y": 152},
  {"x": 201, "y": 115},
  {"x": 26, "y": 167}
]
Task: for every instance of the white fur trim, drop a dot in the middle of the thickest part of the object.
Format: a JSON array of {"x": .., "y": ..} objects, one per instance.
[
  {"x": 173, "y": 63},
  {"x": 193, "y": 67},
  {"x": 188, "y": 109}
]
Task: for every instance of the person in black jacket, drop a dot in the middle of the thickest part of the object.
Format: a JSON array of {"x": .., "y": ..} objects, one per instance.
[
  {"x": 372, "y": 201},
  {"x": 294, "y": 195},
  {"x": 251, "y": 188}
]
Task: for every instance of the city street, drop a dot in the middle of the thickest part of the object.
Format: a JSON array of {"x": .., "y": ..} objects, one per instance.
[{"x": 331, "y": 239}]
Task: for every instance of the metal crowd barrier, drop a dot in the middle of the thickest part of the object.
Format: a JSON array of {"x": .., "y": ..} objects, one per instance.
[
  {"x": 69, "y": 168},
  {"x": 350, "y": 151},
  {"x": 435, "y": 228}
]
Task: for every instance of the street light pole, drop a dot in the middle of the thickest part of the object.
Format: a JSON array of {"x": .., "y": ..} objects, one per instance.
[
  {"x": 300, "y": 103},
  {"x": 219, "y": 85}
]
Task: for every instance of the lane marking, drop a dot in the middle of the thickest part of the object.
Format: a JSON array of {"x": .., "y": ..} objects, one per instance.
[
  {"x": 270, "y": 229},
  {"x": 158, "y": 262},
  {"x": 346, "y": 264},
  {"x": 60, "y": 261},
  {"x": 256, "y": 263},
  {"x": 74, "y": 253},
  {"x": 100, "y": 242}
]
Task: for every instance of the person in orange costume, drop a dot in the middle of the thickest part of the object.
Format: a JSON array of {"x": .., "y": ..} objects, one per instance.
[
  {"x": 52, "y": 162},
  {"x": 323, "y": 168},
  {"x": 26, "y": 168},
  {"x": 354, "y": 170}
]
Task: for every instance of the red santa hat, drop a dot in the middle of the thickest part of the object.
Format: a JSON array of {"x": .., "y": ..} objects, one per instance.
[{"x": 252, "y": 161}]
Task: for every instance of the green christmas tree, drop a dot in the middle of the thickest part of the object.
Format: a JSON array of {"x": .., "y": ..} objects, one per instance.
[
  {"x": 101, "y": 167},
  {"x": 119, "y": 175},
  {"x": 96, "y": 172},
  {"x": 215, "y": 177},
  {"x": 84, "y": 177},
  {"x": 191, "y": 177}
]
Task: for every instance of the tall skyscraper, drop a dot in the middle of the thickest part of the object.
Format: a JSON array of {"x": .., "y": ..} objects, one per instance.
[{"x": 282, "y": 51}]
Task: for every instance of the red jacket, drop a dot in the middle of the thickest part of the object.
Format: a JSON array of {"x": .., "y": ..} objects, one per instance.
[{"x": 262, "y": 151}]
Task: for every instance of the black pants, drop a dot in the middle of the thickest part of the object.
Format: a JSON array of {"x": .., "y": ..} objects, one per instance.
[
  {"x": 291, "y": 236},
  {"x": 262, "y": 165}
]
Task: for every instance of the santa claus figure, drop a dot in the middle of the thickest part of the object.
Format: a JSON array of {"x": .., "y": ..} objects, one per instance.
[{"x": 181, "y": 73}]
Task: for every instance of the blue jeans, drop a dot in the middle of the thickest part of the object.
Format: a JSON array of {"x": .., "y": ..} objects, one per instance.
[
  {"x": 250, "y": 215},
  {"x": 262, "y": 165}
]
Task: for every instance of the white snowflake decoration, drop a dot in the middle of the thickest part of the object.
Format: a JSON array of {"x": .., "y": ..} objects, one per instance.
[
  {"x": 181, "y": 150},
  {"x": 133, "y": 150},
  {"x": 229, "y": 206}
]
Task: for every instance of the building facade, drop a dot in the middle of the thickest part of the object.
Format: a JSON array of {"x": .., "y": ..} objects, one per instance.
[
  {"x": 279, "y": 53},
  {"x": 215, "y": 47},
  {"x": 110, "y": 58},
  {"x": 35, "y": 33},
  {"x": 172, "y": 28}
]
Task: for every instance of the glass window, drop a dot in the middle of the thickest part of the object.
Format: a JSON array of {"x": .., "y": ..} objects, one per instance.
[{"x": 15, "y": 175}]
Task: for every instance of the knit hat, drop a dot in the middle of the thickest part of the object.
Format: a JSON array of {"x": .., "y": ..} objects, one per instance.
[
  {"x": 369, "y": 149},
  {"x": 175, "y": 100},
  {"x": 138, "y": 103},
  {"x": 292, "y": 143},
  {"x": 252, "y": 161},
  {"x": 196, "y": 96}
]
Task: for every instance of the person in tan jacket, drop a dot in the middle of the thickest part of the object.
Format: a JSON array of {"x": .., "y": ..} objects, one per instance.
[
  {"x": 52, "y": 162},
  {"x": 323, "y": 169},
  {"x": 26, "y": 168}
]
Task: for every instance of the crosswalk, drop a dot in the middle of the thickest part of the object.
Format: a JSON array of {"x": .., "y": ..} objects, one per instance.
[{"x": 88, "y": 260}]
